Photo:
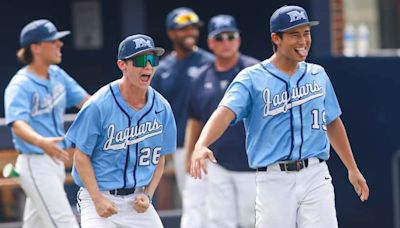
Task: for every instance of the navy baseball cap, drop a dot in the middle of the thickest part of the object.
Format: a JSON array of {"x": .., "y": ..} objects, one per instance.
[
  {"x": 137, "y": 44},
  {"x": 181, "y": 17},
  {"x": 288, "y": 17},
  {"x": 221, "y": 23},
  {"x": 39, "y": 31}
]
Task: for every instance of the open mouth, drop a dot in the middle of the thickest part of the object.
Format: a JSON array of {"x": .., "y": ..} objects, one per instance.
[
  {"x": 303, "y": 52},
  {"x": 145, "y": 77},
  {"x": 189, "y": 41}
]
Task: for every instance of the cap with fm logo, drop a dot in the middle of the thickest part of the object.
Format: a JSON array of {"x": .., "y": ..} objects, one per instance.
[
  {"x": 289, "y": 17},
  {"x": 39, "y": 31},
  {"x": 221, "y": 23},
  {"x": 137, "y": 44}
]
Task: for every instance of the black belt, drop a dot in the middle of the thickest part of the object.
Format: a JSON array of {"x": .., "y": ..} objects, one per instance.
[
  {"x": 291, "y": 165},
  {"x": 122, "y": 191}
]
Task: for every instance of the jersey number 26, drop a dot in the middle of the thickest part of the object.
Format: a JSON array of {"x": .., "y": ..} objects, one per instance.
[{"x": 148, "y": 155}]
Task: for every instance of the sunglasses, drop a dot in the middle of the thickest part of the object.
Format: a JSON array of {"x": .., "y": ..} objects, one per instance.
[
  {"x": 226, "y": 36},
  {"x": 141, "y": 60},
  {"x": 186, "y": 19}
]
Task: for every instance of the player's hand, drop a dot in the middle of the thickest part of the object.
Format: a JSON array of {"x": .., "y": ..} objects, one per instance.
[
  {"x": 360, "y": 184},
  {"x": 199, "y": 157},
  {"x": 51, "y": 148},
  {"x": 141, "y": 203},
  {"x": 105, "y": 207}
]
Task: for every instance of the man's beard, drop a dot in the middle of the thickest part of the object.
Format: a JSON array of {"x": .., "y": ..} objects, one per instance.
[{"x": 186, "y": 44}]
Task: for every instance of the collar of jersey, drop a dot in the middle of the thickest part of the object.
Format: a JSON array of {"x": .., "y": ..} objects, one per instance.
[
  {"x": 37, "y": 79},
  {"x": 271, "y": 68},
  {"x": 122, "y": 103}
]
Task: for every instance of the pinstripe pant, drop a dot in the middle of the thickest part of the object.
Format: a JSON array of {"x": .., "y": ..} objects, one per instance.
[{"x": 46, "y": 204}]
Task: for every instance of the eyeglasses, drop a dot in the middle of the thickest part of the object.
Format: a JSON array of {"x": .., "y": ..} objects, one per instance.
[
  {"x": 226, "y": 36},
  {"x": 186, "y": 18},
  {"x": 141, "y": 60}
]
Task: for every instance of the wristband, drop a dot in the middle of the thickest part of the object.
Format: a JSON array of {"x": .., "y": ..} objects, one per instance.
[{"x": 148, "y": 196}]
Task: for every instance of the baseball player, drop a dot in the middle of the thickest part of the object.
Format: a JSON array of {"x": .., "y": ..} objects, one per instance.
[
  {"x": 121, "y": 138},
  {"x": 173, "y": 80},
  {"x": 35, "y": 101},
  {"x": 231, "y": 188},
  {"x": 292, "y": 116}
]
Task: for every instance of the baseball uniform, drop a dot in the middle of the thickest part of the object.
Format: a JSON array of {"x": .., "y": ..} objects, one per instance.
[
  {"x": 41, "y": 103},
  {"x": 173, "y": 80},
  {"x": 125, "y": 147},
  {"x": 288, "y": 118},
  {"x": 231, "y": 183},
  {"x": 290, "y": 112}
]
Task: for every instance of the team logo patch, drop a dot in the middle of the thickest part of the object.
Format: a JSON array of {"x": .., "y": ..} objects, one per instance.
[
  {"x": 193, "y": 71},
  {"x": 223, "y": 84},
  {"x": 280, "y": 103},
  {"x": 131, "y": 135},
  {"x": 50, "y": 28},
  {"x": 222, "y": 22},
  {"x": 165, "y": 75},
  {"x": 45, "y": 104},
  {"x": 141, "y": 43},
  {"x": 297, "y": 15},
  {"x": 208, "y": 85}
]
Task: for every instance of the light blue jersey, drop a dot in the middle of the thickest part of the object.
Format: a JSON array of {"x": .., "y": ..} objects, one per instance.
[
  {"x": 285, "y": 117},
  {"x": 41, "y": 103},
  {"x": 124, "y": 145}
]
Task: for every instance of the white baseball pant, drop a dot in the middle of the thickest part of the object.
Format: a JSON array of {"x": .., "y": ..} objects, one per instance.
[
  {"x": 46, "y": 204},
  {"x": 194, "y": 213},
  {"x": 127, "y": 216},
  {"x": 231, "y": 197},
  {"x": 303, "y": 199},
  {"x": 179, "y": 165}
]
